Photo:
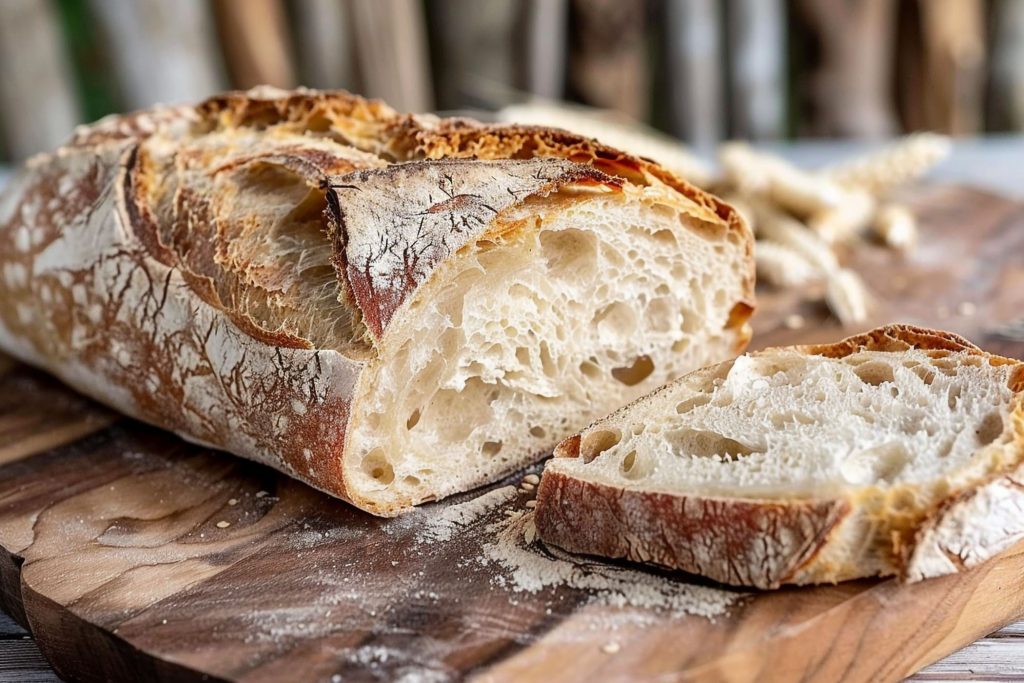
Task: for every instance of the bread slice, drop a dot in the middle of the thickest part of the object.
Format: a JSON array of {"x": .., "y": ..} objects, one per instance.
[
  {"x": 393, "y": 308},
  {"x": 897, "y": 451}
]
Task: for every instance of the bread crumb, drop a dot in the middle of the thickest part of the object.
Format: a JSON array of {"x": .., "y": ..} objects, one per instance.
[
  {"x": 223, "y": 524},
  {"x": 233, "y": 501},
  {"x": 967, "y": 309},
  {"x": 261, "y": 494},
  {"x": 394, "y": 563},
  {"x": 531, "y": 479},
  {"x": 531, "y": 503},
  {"x": 610, "y": 647},
  {"x": 526, "y": 487},
  {"x": 529, "y": 532},
  {"x": 794, "y": 321}
]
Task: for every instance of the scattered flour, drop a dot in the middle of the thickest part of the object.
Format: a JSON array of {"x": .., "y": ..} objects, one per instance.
[
  {"x": 531, "y": 568},
  {"x": 490, "y": 539},
  {"x": 372, "y": 654},
  {"x": 395, "y": 664},
  {"x": 434, "y": 526}
]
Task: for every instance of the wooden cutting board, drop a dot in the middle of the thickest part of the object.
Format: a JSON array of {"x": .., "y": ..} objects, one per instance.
[{"x": 131, "y": 555}]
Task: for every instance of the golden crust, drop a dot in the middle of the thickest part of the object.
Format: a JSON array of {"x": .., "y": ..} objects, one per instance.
[{"x": 893, "y": 338}]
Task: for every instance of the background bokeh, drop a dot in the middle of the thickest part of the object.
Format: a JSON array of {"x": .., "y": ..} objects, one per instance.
[{"x": 700, "y": 70}]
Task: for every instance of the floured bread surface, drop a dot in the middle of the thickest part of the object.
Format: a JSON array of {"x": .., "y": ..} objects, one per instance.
[
  {"x": 390, "y": 307},
  {"x": 854, "y": 450}
]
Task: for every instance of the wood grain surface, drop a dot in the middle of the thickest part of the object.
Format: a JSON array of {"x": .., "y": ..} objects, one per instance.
[{"x": 130, "y": 555}]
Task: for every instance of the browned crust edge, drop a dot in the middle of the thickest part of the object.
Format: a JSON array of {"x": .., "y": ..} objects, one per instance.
[
  {"x": 892, "y": 338},
  {"x": 733, "y": 541}
]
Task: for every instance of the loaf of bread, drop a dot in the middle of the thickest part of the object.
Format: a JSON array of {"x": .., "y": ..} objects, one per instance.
[
  {"x": 392, "y": 308},
  {"x": 897, "y": 452}
]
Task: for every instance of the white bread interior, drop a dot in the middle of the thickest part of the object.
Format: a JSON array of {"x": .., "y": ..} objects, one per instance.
[
  {"x": 529, "y": 333},
  {"x": 786, "y": 424}
]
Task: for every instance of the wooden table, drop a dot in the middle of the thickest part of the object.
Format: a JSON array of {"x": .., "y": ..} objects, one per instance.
[{"x": 988, "y": 163}]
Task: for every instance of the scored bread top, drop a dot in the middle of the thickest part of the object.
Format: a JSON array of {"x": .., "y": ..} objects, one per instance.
[
  {"x": 239, "y": 161},
  {"x": 838, "y": 460}
]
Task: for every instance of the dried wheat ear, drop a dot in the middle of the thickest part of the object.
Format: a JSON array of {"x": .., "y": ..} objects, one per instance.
[{"x": 799, "y": 215}]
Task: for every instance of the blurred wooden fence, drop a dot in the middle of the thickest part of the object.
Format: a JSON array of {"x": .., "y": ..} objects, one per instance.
[{"x": 703, "y": 70}]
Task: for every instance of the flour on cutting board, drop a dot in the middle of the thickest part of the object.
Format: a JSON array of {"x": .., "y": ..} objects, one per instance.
[
  {"x": 473, "y": 568},
  {"x": 530, "y": 568},
  {"x": 508, "y": 544},
  {"x": 454, "y": 518},
  {"x": 496, "y": 534}
]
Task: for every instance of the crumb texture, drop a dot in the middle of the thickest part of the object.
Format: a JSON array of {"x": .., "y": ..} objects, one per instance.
[
  {"x": 785, "y": 424},
  {"x": 562, "y": 313}
]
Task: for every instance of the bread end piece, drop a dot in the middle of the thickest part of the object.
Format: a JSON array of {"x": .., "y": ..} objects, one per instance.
[{"x": 911, "y": 529}]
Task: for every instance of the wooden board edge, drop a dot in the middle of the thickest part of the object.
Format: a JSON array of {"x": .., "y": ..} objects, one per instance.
[
  {"x": 868, "y": 636},
  {"x": 82, "y": 651},
  {"x": 76, "y": 649},
  {"x": 10, "y": 588}
]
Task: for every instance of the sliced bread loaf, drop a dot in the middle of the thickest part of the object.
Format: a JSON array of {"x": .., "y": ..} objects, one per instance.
[
  {"x": 894, "y": 452},
  {"x": 390, "y": 307}
]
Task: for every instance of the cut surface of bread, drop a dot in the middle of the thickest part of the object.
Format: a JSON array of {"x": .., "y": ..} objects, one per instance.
[
  {"x": 392, "y": 308},
  {"x": 517, "y": 342},
  {"x": 803, "y": 465}
]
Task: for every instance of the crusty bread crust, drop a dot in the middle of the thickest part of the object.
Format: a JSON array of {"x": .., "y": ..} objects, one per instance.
[
  {"x": 768, "y": 543},
  {"x": 111, "y": 275},
  {"x": 895, "y": 338},
  {"x": 750, "y": 543},
  {"x": 420, "y": 231}
]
